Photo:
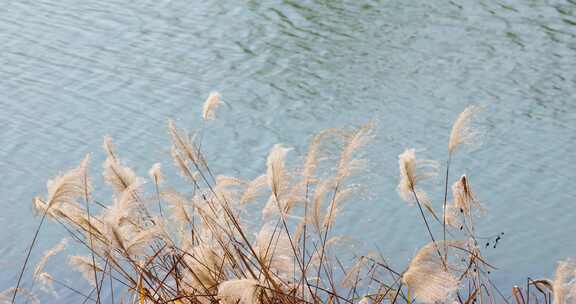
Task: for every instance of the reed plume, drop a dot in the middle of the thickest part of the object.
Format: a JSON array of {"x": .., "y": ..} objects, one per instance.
[
  {"x": 412, "y": 172},
  {"x": 210, "y": 105},
  {"x": 276, "y": 174},
  {"x": 118, "y": 176},
  {"x": 563, "y": 286},
  {"x": 464, "y": 198},
  {"x": 155, "y": 173},
  {"x": 462, "y": 131},
  {"x": 44, "y": 278},
  {"x": 427, "y": 277},
  {"x": 85, "y": 266}
]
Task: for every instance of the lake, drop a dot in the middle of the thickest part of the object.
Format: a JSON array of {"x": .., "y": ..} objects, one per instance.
[{"x": 74, "y": 71}]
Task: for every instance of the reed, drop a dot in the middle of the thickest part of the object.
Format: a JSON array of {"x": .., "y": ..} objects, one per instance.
[{"x": 201, "y": 244}]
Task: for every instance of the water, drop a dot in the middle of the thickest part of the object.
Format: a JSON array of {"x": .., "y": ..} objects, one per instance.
[{"x": 73, "y": 71}]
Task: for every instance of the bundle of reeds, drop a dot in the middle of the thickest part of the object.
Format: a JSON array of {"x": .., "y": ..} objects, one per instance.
[{"x": 198, "y": 245}]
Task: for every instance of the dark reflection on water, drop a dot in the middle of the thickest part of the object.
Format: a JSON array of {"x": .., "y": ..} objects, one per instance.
[{"x": 74, "y": 71}]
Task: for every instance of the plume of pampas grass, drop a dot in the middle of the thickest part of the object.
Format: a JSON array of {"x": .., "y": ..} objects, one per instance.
[
  {"x": 109, "y": 148},
  {"x": 116, "y": 175},
  {"x": 564, "y": 283},
  {"x": 64, "y": 189},
  {"x": 411, "y": 173},
  {"x": 427, "y": 277},
  {"x": 124, "y": 208},
  {"x": 462, "y": 131},
  {"x": 464, "y": 198},
  {"x": 563, "y": 286},
  {"x": 275, "y": 172},
  {"x": 155, "y": 173},
  {"x": 84, "y": 265},
  {"x": 210, "y": 105},
  {"x": 47, "y": 255},
  {"x": 242, "y": 291},
  {"x": 347, "y": 164},
  {"x": 185, "y": 150}
]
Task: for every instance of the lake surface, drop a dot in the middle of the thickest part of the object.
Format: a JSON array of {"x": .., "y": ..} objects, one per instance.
[{"x": 74, "y": 71}]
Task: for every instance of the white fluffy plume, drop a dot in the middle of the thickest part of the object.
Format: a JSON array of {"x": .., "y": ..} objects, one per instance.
[
  {"x": 155, "y": 173},
  {"x": 412, "y": 172},
  {"x": 84, "y": 265},
  {"x": 210, "y": 106},
  {"x": 462, "y": 131},
  {"x": 276, "y": 173},
  {"x": 426, "y": 275},
  {"x": 44, "y": 278},
  {"x": 119, "y": 177},
  {"x": 65, "y": 189}
]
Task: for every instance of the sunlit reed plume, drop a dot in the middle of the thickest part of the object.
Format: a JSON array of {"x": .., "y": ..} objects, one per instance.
[
  {"x": 428, "y": 278},
  {"x": 462, "y": 131},
  {"x": 47, "y": 255},
  {"x": 119, "y": 177},
  {"x": 563, "y": 286},
  {"x": 210, "y": 106},
  {"x": 155, "y": 173},
  {"x": 42, "y": 277},
  {"x": 84, "y": 265},
  {"x": 412, "y": 172},
  {"x": 64, "y": 190},
  {"x": 464, "y": 199},
  {"x": 275, "y": 172},
  {"x": 348, "y": 165}
]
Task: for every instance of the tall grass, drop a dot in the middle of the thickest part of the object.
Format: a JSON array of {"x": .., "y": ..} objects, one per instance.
[{"x": 199, "y": 244}]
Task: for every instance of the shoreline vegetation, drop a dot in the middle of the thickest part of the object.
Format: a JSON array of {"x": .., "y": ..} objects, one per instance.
[{"x": 154, "y": 244}]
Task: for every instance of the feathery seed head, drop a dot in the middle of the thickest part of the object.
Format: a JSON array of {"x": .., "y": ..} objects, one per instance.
[
  {"x": 277, "y": 177},
  {"x": 462, "y": 131},
  {"x": 210, "y": 106},
  {"x": 427, "y": 277},
  {"x": 155, "y": 173},
  {"x": 412, "y": 171}
]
